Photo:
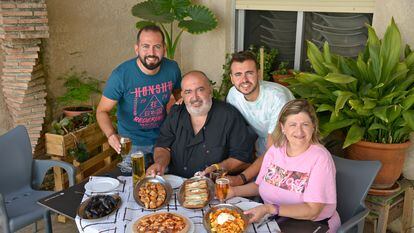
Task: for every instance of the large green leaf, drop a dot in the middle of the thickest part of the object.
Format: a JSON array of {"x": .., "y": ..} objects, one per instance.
[
  {"x": 409, "y": 118},
  {"x": 316, "y": 59},
  {"x": 200, "y": 19},
  {"x": 355, "y": 134},
  {"x": 374, "y": 54},
  {"x": 328, "y": 127},
  {"x": 408, "y": 102},
  {"x": 325, "y": 107},
  {"x": 339, "y": 78},
  {"x": 381, "y": 113},
  {"x": 143, "y": 23},
  {"x": 343, "y": 97},
  {"x": 390, "y": 49},
  {"x": 151, "y": 11},
  {"x": 177, "y": 7}
]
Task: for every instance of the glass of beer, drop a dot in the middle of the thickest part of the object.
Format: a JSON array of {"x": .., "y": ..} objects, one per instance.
[
  {"x": 218, "y": 174},
  {"x": 138, "y": 167},
  {"x": 126, "y": 145},
  {"x": 222, "y": 187}
]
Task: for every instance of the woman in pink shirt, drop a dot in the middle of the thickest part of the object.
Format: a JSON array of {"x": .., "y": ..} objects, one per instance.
[{"x": 297, "y": 176}]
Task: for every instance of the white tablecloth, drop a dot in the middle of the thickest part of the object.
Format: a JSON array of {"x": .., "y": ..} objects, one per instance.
[{"x": 118, "y": 221}]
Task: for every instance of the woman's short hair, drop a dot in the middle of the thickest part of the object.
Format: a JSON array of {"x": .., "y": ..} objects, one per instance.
[{"x": 291, "y": 108}]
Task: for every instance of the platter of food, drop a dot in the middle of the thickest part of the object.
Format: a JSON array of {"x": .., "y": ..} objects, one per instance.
[
  {"x": 225, "y": 218},
  {"x": 99, "y": 206},
  {"x": 161, "y": 222},
  {"x": 152, "y": 193},
  {"x": 196, "y": 192}
]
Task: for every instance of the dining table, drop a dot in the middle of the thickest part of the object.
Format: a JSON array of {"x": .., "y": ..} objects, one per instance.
[{"x": 129, "y": 211}]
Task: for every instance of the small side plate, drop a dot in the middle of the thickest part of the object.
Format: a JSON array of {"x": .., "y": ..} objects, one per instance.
[
  {"x": 82, "y": 206},
  {"x": 101, "y": 184}
]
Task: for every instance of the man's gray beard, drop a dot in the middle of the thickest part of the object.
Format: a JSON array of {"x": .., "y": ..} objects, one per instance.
[{"x": 201, "y": 111}]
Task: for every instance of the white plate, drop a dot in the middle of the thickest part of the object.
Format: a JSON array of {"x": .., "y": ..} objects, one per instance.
[
  {"x": 191, "y": 229},
  {"x": 101, "y": 184},
  {"x": 247, "y": 205},
  {"x": 175, "y": 181}
]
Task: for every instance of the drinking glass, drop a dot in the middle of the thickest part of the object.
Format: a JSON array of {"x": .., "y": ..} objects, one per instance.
[
  {"x": 138, "y": 167},
  {"x": 126, "y": 145},
  {"x": 222, "y": 188},
  {"x": 217, "y": 174}
]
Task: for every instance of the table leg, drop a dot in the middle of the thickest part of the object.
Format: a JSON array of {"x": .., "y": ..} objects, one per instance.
[
  {"x": 383, "y": 219},
  {"x": 407, "y": 209}
]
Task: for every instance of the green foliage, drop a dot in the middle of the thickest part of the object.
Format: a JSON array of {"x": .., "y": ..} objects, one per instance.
[
  {"x": 195, "y": 19},
  {"x": 79, "y": 152},
  {"x": 370, "y": 98},
  {"x": 79, "y": 88},
  {"x": 269, "y": 60},
  {"x": 66, "y": 125},
  {"x": 282, "y": 69}
]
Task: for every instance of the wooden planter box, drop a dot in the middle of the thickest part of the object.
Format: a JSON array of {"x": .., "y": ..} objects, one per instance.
[{"x": 102, "y": 156}]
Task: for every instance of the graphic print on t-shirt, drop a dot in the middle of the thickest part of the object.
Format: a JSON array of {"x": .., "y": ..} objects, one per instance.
[
  {"x": 289, "y": 180},
  {"x": 152, "y": 115}
]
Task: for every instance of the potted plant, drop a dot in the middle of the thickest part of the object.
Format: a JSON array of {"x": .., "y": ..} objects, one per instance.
[
  {"x": 281, "y": 73},
  {"x": 195, "y": 19},
  {"x": 80, "y": 88},
  {"x": 369, "y": 98}
]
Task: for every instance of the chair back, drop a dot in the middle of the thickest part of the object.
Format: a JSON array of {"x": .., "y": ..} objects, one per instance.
[
  {"x": 353, "y": 180},
  {"x": 15, "y": 160}
]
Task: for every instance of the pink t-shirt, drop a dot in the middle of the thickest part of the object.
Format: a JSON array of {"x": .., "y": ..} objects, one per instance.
[{"x": 308, "y": 177}]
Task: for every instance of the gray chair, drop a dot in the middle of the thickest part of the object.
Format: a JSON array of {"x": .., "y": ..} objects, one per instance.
[
  {"x": 353, "y": 180},
  {"x": 20, "y": 175}
]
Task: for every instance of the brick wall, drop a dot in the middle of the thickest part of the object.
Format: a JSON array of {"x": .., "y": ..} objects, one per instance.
[{"x": 23, "y": 23}]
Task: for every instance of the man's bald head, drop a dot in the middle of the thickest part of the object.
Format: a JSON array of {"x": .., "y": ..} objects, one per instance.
[{"x": 195, "y": 74}]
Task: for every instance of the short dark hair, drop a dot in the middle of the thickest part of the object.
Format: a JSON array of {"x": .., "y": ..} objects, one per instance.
[
  {"x": 152, "y": 28},
  {"x": 243, "y": 56}
]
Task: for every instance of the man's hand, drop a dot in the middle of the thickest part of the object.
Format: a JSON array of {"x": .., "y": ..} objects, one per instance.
[
  {"x": 235, "y": 180},
  {"x": 257, "y": 213},
  {"x": 114, "y": 142},
  {"x": 155, "y": 169},
  {"x": 208, "y": 170},
  {"x": 230, "y": 193}
]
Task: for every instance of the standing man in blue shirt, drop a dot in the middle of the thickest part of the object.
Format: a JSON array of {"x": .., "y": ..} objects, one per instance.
[{"x": 141, "y": 88}]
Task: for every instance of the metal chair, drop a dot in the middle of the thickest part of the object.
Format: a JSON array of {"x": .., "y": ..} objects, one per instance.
[
  {"x": 353, "y": 180},
  {"x": 19, "y": 173}
]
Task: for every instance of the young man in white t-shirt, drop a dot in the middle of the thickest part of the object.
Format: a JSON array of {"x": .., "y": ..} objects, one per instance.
[{"x": 259, "y": 102}]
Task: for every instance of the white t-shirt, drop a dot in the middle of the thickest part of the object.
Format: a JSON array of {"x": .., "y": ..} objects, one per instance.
[{"x": 263, "y": 113}]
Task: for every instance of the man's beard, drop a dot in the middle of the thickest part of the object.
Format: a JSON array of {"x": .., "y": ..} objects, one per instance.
[
  {"x": 199, "y": 111},
  {"x": 150, "y": 66}
]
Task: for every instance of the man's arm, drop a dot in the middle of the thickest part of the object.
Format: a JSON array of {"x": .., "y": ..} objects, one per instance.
[
  {"x": 231, "y": 165},
  {"x": 162, "y": 158},
  {"x": 105, "y": 123}
]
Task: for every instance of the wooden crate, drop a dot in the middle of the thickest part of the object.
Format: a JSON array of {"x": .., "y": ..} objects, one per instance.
[{"x": 102, "y": 156}]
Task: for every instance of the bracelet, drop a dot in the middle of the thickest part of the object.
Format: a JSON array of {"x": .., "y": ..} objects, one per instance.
[
  {"x": 216, "y": 166},
  {"x": 243, "y": 177},
  {"x": 277, "y": 207}
]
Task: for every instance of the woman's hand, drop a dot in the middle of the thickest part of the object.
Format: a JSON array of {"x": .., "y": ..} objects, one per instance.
[
  {"x": 230, "y": 193},
  {"x": 257, "y": 213}
]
